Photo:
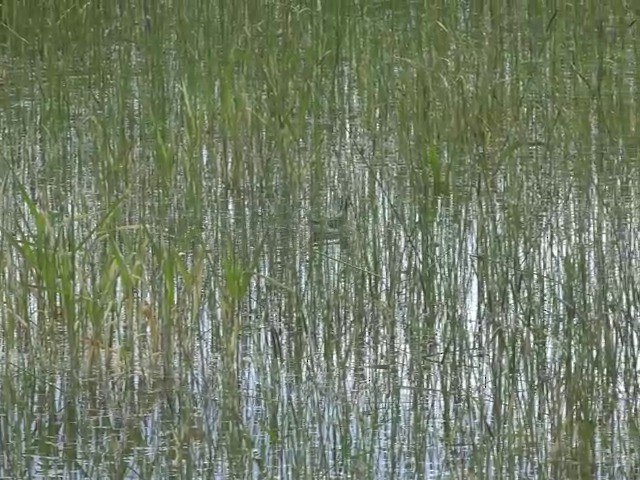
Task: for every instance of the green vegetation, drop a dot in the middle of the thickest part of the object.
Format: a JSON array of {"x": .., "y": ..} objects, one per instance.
[{"x": 167, "y": 311}]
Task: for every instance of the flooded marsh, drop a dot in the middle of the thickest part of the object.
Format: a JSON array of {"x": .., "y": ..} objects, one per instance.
[{"x": 316, "y": 240}]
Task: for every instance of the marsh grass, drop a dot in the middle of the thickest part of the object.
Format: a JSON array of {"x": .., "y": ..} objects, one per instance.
[{"x": 166, "y": 310}]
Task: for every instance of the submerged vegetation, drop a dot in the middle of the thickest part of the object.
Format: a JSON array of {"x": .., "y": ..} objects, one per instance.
[{"x": 172, "y": 305}]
